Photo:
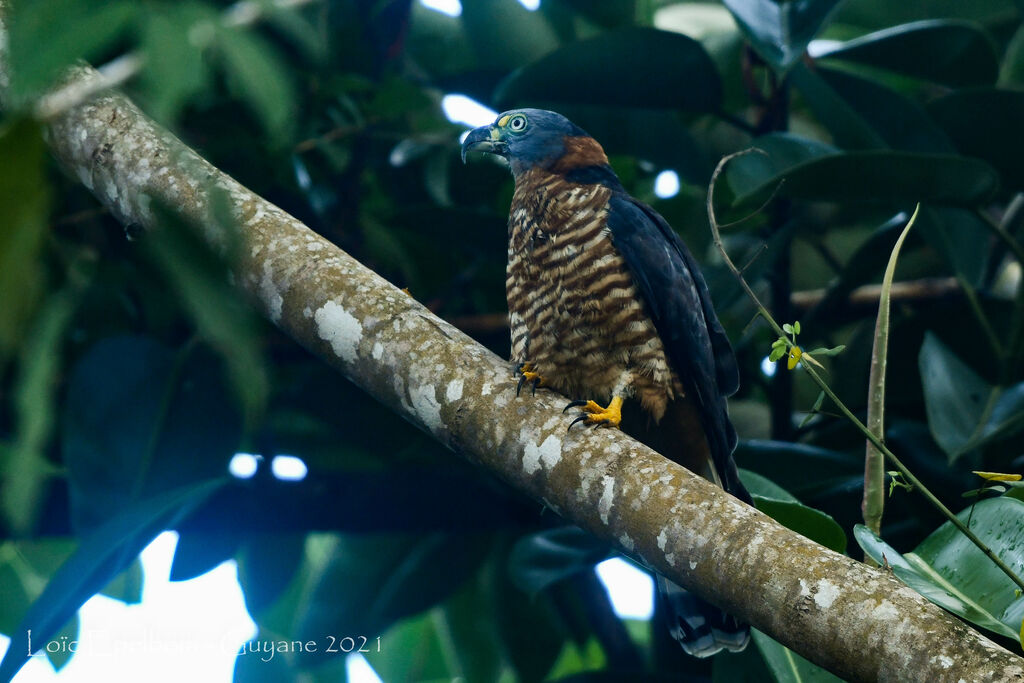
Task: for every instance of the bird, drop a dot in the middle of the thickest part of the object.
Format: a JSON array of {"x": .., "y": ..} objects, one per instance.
[{"x": 606, "y": 304}]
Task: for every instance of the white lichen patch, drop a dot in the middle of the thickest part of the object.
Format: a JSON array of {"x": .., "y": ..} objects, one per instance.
[
  {"x": 547, "y": 454},
  {"x": 944, "y": 661},
  {"x": 626, "y": 542},
  {"x": 604, "y": 505},
  {"x": 485, "y": 390},
  {"x": 378, "y": 351},
  {"x": 269, "y": 294},
  {"x": 693, "y": 565},
  {"x": 885, "y": 610},
  {"x": 340, "y": 329},
  {"x": 662, "y": 540},
  {"x": 426, "y": 407},
  {"x": 826, "y": 594},
  {"x": 454, "y": 390},
  {"x": 671, "y": 559}
]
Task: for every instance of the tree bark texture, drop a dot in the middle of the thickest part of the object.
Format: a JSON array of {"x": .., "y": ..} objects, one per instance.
[{"x": 855, "y": 620}]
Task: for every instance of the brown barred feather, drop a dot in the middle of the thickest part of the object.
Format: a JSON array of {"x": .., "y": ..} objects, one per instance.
[{"x": 576, "y": 315}]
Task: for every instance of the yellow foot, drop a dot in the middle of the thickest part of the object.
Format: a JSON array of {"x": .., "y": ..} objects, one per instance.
[
  {"x": 526, "y": 374},
  {"x": 594, "y": 414}
]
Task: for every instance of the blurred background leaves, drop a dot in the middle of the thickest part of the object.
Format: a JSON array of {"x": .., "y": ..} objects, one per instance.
[{"x": 131, "y": 373}]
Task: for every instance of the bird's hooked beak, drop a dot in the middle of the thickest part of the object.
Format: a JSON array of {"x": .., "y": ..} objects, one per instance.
[{"x": 484, "y": 139}]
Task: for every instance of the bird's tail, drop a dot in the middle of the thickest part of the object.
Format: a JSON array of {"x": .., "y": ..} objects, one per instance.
[{"x": 700, "y": 628}]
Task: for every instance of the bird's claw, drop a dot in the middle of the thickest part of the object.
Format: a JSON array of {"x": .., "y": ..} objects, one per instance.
[
  {"x": 595, "y": 414},
  {"x": 526, "y": 374}
]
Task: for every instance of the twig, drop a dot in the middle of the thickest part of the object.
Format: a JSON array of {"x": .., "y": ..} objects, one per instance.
[{"x": 813, "y": 374}]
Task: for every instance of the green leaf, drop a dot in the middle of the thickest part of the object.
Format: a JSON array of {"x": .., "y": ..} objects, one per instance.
[
  {"x": 385, "y": 578},
  {"x": 26, "y": 467},
  {"x": 779, "y": 30},
  {"x": 785, "y": 509},
  {"x": 952, "y": 572},
  {"x": 956, "y": 398},
  {"x": 985, "y": 123},
  {"x": 843, "y": 120},
  {"x": 44, "y": 36},
  {"x": 632, "y": 67},
  {"x": 822, "y": 351},
  {"x": 101, "y": 555},
  {"x": 200, "y": 276},
  {"x": 1006, "y": 419},
  {"x": 544, "y": 558},
  {"x": 787, "y": 666},
  {"x": 420, "y": 642},
  {"x": 140, "y": 419},
  {"x": 801, "y": 469},
  {"x": 863, "y": 114},
  {"x": 255, "y": 72},
  {"x": 268, "y": 566},
  {"x": 953, "y": 232},
  {"x": 504, "y": 34},
  {"x": 24, "y": 210},
  {"x": 198, "y": 552},
  {"x": 174, "y": 67},
  {"x": 474, "y": 653},
  {"x": 813, "y": 172},
  {"x": 948, "y": 51}
]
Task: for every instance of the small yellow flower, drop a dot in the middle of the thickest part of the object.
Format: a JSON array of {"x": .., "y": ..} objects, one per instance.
[{"x": 794, "y": 357}]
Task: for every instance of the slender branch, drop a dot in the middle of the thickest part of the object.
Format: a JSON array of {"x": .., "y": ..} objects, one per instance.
[{"x": 813, "y": 374}]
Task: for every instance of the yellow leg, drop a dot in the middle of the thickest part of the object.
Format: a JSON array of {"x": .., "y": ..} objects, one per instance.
[{"x": 595, "y": 414}]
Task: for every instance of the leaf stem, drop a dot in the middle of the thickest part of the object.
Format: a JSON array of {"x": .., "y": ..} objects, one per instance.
[{"x": 813, "y": 374}]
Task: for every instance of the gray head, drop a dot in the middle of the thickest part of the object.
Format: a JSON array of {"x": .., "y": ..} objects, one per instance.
[{"x": 531, "y": 138}]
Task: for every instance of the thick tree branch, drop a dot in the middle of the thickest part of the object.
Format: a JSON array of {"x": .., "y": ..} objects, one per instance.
[{"x": 855, "y": 620}]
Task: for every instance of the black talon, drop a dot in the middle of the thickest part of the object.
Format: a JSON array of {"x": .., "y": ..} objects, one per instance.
[
  {"x": 519, "y": 387},
  {"x": 574, "y": 404},
  {"x": 581, "y": 418},
  {"x": 535, "y": 383}
]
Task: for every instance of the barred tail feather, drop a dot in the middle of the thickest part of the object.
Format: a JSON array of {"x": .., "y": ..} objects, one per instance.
[{"x": 700, "y": 628}]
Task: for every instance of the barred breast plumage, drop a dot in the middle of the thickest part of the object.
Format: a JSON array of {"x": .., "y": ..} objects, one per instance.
[{"x": 575, "y": 313}]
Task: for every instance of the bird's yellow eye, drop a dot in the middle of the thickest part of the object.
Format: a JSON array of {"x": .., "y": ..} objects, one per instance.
[{"x": 517, "y": 123}]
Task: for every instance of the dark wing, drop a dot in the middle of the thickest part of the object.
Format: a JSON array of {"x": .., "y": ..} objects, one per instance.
[{"x": 677, "y": 297}]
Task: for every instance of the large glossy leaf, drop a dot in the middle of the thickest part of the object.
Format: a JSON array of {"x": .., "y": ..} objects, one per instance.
[
  {"x": 843, "y": 119},
  {"x": 862, "y": 113},
  {"x": 815, "y": 172},
  {"x": 785, "y": 509},
  {"x": 947, "y": 51},
  {"x": 544, "y": 558},
  {"x": 139, "y": 419},
  {"x": 504, "y": 34},
  {"x": 952, "y": 572},
  {"x": 985, "y": 123},
  {"x": 954, "y": 233},
  {"x": 101, "y": 555},
  {"x": 801, "y": 469},
  {"x": 369, "y": 582},
  {"x": 631, "y": 67},
  {"x": 421, "y": 640},
  {"x": 787, "y": 666},
  {"x": 956, "y": 398},
  {"x": 779, "y": 30}
]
